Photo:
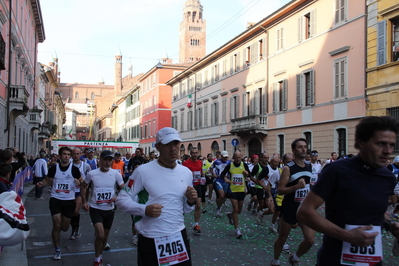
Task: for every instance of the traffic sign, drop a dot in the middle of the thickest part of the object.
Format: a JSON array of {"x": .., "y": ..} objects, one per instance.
[{"x": 234, "y": 142}]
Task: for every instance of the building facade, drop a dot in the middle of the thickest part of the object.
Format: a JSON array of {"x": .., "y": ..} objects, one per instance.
[
  {"x": 383, "y": 59},
  {"x": 300, "y": 72}
]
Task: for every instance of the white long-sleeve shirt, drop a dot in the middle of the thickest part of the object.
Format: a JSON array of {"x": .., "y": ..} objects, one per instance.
[{"x": 166, "y": 187}]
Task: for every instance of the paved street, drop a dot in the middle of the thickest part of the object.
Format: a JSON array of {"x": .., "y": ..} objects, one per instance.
[{"x": 216, "y": 245}]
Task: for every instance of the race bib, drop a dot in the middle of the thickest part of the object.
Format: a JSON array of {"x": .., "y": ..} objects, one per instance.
[
  {"x": 313, "y": 180},
  {"x": 103, "y": 196},
  {"x": 237, "y": 179},
  {"x": 370, "y": 255},
  {"x": 62, "y": 185},
  {"x": 171, "y": 249},
  {"x": 300, "y": 194},
  {"x": 203, "y": 180},
  {"x": 196, "y": 177}
]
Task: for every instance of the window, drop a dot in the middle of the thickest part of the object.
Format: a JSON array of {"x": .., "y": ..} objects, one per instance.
[
  {"x": 234, "y": 63},
  {"x": 224, "y": 73},
  {"x": 306, "y": 26},
  {"x": 76, "y": 95},
  {"x": 305, "y": 89},
  {"x": 92, "y": 96},
  {"x": 198, "y": 81},
  {"x": 382, "y": 40},
  {"x": 280, "y": 38},
  {"x": 174, "y": 122},
  {"x": 308, "y": 137},
  {"x": 200, "y": 117},
  {"x": 341, "y": 133},
  {"x": 246, "y": 104},
  {"x": 395, "y": 39},
  {"x": 206, "y": 78},
  {"x": 224, "y": 106},
  {"x": 261, "y": 49},
  {"x": 340, "y": 78},
  {"x": 206, "y": 115},
  {"x": 214, "y": 113},
  {"x": 340, "y": 10},
  {"x": 247, "y": 57},
  {"x": 280, "y": 144},
  {"x": 280, "y": 96},
  {"x": 182, "y": 121},
  {"x": 234, "y": 107},
  {"x": 190, "y": 120},
  {"x": 394, "y": 112}
]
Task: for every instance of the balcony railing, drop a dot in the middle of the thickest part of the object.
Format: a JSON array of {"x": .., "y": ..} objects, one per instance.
[
  {"x": 256, "y": 123},
  {"x": 18, "y": 98}
]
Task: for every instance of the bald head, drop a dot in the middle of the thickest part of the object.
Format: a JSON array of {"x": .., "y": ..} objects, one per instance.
[{"x": 76, "y": 153}]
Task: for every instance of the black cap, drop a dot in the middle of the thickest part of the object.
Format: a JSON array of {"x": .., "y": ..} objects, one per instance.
[
  {"x": 117, "y": 153},
  {"x": 106, "y": 154}
]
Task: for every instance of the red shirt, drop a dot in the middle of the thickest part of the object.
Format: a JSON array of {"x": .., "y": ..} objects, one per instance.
[{"x": 196, "y": 168}]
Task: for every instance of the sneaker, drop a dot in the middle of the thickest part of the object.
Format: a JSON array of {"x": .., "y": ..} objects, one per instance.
[
  {"x": 77, "y": 233},
  {"x": 217, "y": 215},
  {"x": 273, "y": 229},
  {"x": 395, "y": 248},
  {"x": 57, "y": 255},
  {"x": 238, "y": 234},
  {"x": 275, "y": 263},
  {"x": 134, "y": 240},
  {"x": 197, "y": 229},
  {"x": 286, "y": 249},
  {"x": 203, "y": 211},
  {"x": 230, "y": 218},
  {"x": 73, "y": 237},
  {"x": 259, "y": 218},
  {"x": 107, "y": 247},
  {"x": 292, "y": 261},
  {"x": 98, "y": 263}
]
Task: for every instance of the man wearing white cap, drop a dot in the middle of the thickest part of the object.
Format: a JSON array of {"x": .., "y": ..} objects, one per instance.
[{"x": 170, "y": 195}]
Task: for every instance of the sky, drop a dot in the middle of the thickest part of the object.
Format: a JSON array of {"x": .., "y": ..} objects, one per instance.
[{"x": 85, "y": 35}]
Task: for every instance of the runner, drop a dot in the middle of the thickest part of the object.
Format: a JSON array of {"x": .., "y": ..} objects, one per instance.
[
  {"x": 101, "y": 203},
  {"x": 238, "y": 172},
  {"x": 356, "y": 193},
  {"x": 126, "y": 160},
  {"x": 251, "y": 179},
  {"x": 64, "y": 178},
  {"x": 316, "y": 167},
  {"x": 207, "y": 163},
  {"x": 84, "y": 168},
  {"x": 170, "y": 195},
  {"x": 195, "y": 167},
  {"x": 294, "y": 185},
  {"x": 222, "y": 188},
  {"x": 91, "y": 160},
  {"x": 118, "y": 164}
]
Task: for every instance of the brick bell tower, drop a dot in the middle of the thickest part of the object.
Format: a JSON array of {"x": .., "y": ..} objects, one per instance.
[{"x": 192, "y": 33}]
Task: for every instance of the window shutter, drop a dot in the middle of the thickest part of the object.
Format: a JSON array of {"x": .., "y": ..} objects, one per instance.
[
  {"x": 381, "y": 43},
  {"x": 264, "y": 101},
  {"x": 312, "y": 87},
  {"x": 216, "y": 113},
  {"x": 237, "y": 107},
  {"x": 231, "y": 65},
  {"x": 212, "y": 74},
  {"x": 300, "y": 29},
  {"x": 274, "y": 97},
  {"x": 312, "y": 23},
  {"x": 298, "y": 91},
  {"x": 244, "y": 106},
  {"x": 264, "y": 48},
  {"x": 254, "y": 53},
  {"x": 212, "y": 114},
  {"x": 285, "y": 95},
  {"x": 256, "y": 102},
  {"x": 238, "y": 61},
  {"x": 232, "y": 108},
  {"x": 244, "y": 57}
]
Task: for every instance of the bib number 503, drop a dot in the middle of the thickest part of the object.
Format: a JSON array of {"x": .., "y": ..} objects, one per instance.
[{"x": 169, "y": 249}]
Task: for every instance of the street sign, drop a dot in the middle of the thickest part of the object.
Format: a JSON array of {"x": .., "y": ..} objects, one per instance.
[{"x": 234, "y": 142}]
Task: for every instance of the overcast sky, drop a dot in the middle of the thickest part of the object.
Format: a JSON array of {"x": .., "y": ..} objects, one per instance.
[{"x": 86, "y": 35}]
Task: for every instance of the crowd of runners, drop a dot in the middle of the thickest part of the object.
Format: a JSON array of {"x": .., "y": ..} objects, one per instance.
[{"x": 161, "y": 188}]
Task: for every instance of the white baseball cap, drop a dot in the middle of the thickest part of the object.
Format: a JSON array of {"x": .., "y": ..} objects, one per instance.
[
  {"x": 225, "y": 154},
  {"x": 396, "y": 160},
  {"x": 166, "y": 135}
]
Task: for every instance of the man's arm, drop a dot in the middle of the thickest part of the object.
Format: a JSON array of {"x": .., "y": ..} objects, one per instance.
[
  {"x": 308, "y": 215},
  {"x": 282, "y": 185}
]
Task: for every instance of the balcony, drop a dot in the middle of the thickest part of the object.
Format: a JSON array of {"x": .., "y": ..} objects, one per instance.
[
  {"x": 18, "y": 97},
  {"x": 249, "y": 125},
  {"x": 44, "y": 130},
  {"x": 34, "y": 118}
]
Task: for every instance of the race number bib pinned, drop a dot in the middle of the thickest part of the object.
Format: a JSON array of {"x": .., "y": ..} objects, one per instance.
[
  {"x": 300, "y": 194},
  {"x": 171, "y": 249},
  {"x": 103, "y": 196},
  {"x": 62, "y": 185},
  {"x": 237, "y": 179},
  {"x": 370, "y": 255},
  {"x": 196, "y": 177}
]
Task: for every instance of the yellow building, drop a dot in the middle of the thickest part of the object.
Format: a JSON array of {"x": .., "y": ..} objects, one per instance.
[{"x": 383, "y": 59}]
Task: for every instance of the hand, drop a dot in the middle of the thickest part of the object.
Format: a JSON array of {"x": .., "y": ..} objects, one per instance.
[
  {"x": 301, "y": 183},
  {"x": 245, "y": 173},
  {"x": 85, "y": 206},
  {"x": 153, "y": 210},
  {"x": 39, "y": 184},
  {"x": 360, "y": 238},
  {"x": 77, "y": 182},
  {"x": 191, "y": 195}
]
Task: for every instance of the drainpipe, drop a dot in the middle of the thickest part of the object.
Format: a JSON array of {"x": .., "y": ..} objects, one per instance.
[{"x": 9, "y": 76}]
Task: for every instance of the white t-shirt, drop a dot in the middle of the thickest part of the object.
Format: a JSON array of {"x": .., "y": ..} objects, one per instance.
[
  {"x": 274, "y": 176},
  {"x": 103, "y": 188},
  {"x": 316, "y": 169},
  {"x": 165, "y": 186}
]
